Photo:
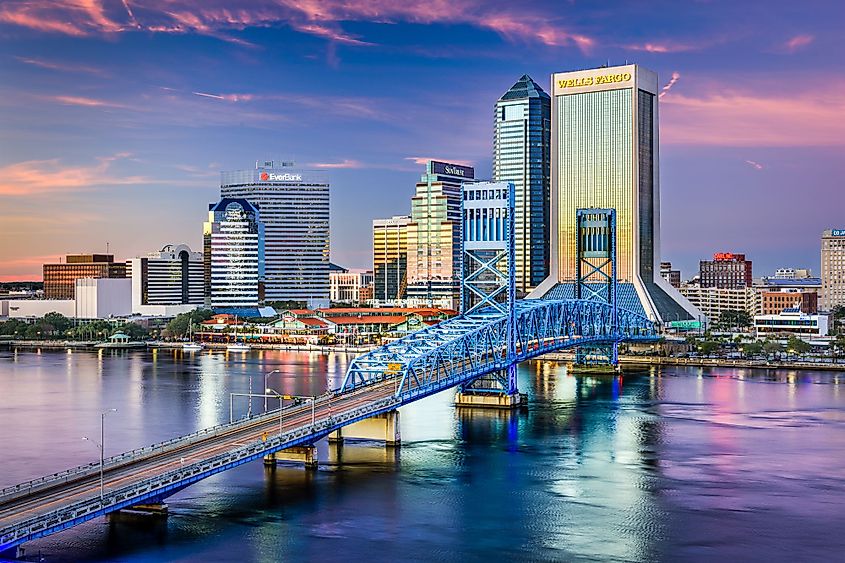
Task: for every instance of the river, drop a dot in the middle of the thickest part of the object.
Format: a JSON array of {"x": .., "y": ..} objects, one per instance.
[{"x": 680, "y": 463}]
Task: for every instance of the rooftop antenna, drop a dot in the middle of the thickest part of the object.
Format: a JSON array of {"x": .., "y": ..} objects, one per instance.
[{"x": 107, "y": 247}]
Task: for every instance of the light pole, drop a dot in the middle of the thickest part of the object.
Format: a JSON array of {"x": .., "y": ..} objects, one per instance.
[
  {"x": 281, "y": 397},
  {"x": 266, "y": 375},
  {"x": 101, "y": 445}
]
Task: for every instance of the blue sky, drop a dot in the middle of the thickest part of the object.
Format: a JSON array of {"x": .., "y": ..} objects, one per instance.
[{"x": 116, "y": 117}]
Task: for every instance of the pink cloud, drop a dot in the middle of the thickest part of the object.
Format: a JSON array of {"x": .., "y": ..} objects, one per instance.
[
  {"x": 661, "y": 47},
  {"x": 425, "y": 159},
  {"x": 45, "y": 176},
  {"x": 345, "y": 163},
  {"x": 755, "y": 165},
  {"x": 321, "y": 18},
  {"x": 63, "y": 67},
  {"x": 675, "y": 77},
  {"x": 82, "y": 101},
  {"x": 759, "y": 114},
  {"x": 798, "y": 42}
]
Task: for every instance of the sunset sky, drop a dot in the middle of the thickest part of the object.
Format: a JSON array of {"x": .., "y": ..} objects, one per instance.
[{"x": 116, "y": 117}]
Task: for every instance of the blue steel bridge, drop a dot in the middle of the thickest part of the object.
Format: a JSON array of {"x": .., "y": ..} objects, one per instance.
[{"x": 483, "y": 344}]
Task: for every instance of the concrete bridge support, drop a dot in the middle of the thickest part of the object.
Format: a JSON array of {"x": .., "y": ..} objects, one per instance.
[
  {"x": 305, "y": 454},
  {"x": 382, "y": 427},
  {"x": 467, "y": 398}
]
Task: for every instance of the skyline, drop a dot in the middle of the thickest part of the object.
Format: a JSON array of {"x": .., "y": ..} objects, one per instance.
[{"x": 107, "y": 140}]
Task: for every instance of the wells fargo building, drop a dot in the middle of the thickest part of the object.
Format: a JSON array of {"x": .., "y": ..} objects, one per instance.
[{"x": 604, "y": 147}]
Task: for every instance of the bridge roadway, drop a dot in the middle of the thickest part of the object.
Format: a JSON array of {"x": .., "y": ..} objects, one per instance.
[{"x": 39, "y": 501}]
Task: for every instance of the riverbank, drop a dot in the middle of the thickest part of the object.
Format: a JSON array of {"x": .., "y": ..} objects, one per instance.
[
  {"x": 76, "y": 345},
  {"x": 710, "y": 362}
]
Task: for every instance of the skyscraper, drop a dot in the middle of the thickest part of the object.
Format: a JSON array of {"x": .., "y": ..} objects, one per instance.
[
  {"x": 605, "y": 154},
  {"x": 434, "y": 236},
  {"x": 521, "y": 145},
  {"x": 233, "y": 248},
  {"x": 833, "y": 269},
  {"x": 294, "y": 208},
  {"x": 390, "y": 258}
]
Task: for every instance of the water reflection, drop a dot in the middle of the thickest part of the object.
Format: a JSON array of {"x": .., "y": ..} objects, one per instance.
[{"x": 680, "y": 463}]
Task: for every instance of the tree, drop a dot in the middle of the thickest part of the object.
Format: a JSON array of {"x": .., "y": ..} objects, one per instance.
[
  {"x": 751, "y": 349},
  {"x": 178, "y": 327},
  {"x": 56, "y": 323},
  {"x": 772, "y": 347},
  {"x": 734, "y": 318},
  {"x": 708, "y": 347},
  {"x": 798, "y": 346},
  {"x": 134, "y": 331}
]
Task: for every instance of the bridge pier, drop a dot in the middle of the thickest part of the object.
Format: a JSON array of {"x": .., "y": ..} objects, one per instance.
[
  {"x": 468, "y": 398},
  {"x": 305, "y": 454},
  {"x": 382, "y": 427}
]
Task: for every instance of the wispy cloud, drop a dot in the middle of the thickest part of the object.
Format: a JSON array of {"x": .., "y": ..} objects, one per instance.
[
  {"x": 663, "y": 47},
  {"x": 798, "y": 42},
  {"x": 33, "y": 177},
  {"x": 83, "y": 101},
  {"x": 345, "y": 163},
  {"x": 754, "y": 164},
  {"x": 323, "y": 18},
  {"x": 672, "y": 81},
  {"x": 425, "y": 159},
  {"x": 757, "y": 115},
  {"x": 60, "y": 66}
]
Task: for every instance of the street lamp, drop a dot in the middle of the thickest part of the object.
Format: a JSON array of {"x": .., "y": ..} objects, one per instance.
[
  {"x": 266, "y": 375},
  {"x": 281, "y": 397},
  {"x": 101, "y": 445}
]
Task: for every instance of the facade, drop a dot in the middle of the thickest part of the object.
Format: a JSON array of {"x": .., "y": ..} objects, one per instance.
[
  {"x": 604, "y": 154},
  {"x": 672, "y": 277},
  {"x": 713, "y": 301},
  {"x": 726, "y": 271},
  {"x": 171, "y": 276},
  {"x": 833, "y": 269},
  {"x": 60, "y": 279},
  {"x": 775, "y": 301},
  {"x": 345, "y": 286},
  {"x": 792, "y": 321},
  {"x": 390, "y": 259},
  {"x": 434, "y": 236},
  {"x": 233, "y": 254},
  {"x": 793, "y": 273},
  {"x": 103, "y": 298},
  {"x": 521, "y": 152},
  {"x": 294, "y": 208}
]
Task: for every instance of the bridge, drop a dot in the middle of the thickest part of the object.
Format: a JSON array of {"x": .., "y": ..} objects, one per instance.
[{"x": 482, "y": 345}]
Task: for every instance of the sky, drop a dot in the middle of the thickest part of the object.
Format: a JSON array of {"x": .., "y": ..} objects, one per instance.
[{"x": 117, "y": 116}]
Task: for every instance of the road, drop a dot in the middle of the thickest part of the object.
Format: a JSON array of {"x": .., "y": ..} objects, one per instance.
[{"x": 134, "y": 471}]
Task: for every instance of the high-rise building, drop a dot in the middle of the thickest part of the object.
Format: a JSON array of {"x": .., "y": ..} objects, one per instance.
[
  {"x": 390, "y": 258},
  {"x": 726, "y": 271},
  {"x": 833, "y": 269},
  {"x": 233, "y": 254},
  {"x": 521, "y": 150},
  {"x": 434, "y": 236},
  {"x": 60, "y": 279},
  {"x": 294, "y": 208},
  {"x": 604, "y": 154},
  {"x": 673, "y": 277},
  {"x": 171, "y": 276}
]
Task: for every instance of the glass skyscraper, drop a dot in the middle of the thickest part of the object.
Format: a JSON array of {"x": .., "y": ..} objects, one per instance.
[
  {"x": 521, "y": 152},
  {"x": 294, "y": 206},
  {"x": 604, "y": 146},
  {"x": 390, "y": 258}
]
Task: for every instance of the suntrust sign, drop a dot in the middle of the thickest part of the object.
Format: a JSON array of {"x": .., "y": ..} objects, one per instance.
[
  {"x": 286, "y": 177},
  {"x": 594, "y": 80}
]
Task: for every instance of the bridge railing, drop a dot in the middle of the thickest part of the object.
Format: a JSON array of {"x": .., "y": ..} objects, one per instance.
[{"x": 10, "y": 493}]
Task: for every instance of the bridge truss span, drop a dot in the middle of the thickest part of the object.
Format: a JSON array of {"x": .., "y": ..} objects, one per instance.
[{"x": 462, "y": 349}]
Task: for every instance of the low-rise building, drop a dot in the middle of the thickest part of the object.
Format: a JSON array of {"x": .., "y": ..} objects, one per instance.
[
  {"x": 713, "y": 301},
  {"x": 345, "y": 286},
  {"x": 773, "y": 302},
  {"x": 792, "y": 321},
  {"x": 60, "y": 279}
]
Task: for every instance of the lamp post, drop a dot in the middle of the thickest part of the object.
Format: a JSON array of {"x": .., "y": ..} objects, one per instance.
[
  {"x": 101, "y": 445},
  {"x": 266, "y": 375},
  {"x": 281, "y": 397}
]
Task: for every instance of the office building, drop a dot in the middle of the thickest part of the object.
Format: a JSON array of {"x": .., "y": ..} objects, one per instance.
[
  {"x": 726, "y": 270},
  {"x": 390, "y": 259},
  {"x": 434, "y": 236},
  {"x": 672, "y": 277},
  {"x": 60, "y": 279},
  {"x": 775, "y": 301},
  {"x": 345, "y": 286},
  {"x": 521, "y": 152},
  {"x": 713, "y": 301},
  {"x": 294, "y": 207},
  {"x": 792, "y": 321},
  {"x": 171, "y": 276},
  {"x": 233, "y": 254},
  {"x": 793, "y": 273},
  {"x": 833, "y": 269},
  {"x": 604, "y": 154}
]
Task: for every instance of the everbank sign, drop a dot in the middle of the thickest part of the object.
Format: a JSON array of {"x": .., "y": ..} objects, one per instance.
[{"x": 270, "y": 177}]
